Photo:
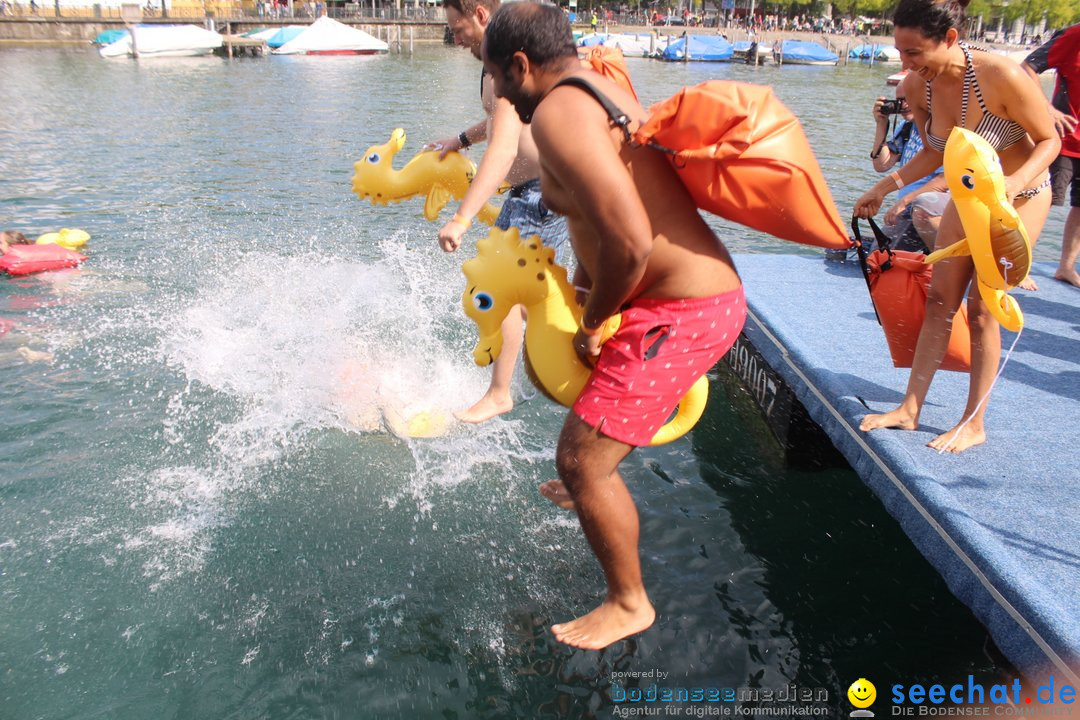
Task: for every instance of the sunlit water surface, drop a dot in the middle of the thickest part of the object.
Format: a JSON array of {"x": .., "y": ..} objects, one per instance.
[{"x": 201, "y": 514}]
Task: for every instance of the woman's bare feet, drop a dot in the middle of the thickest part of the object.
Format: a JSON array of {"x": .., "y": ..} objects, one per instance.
[
  {"x": 1029, "y": 284},
  {"x": 1068, "y": 275},
  {"x": 959, "y": 439},
  {"x": 556, "y": 492},
  {"x": 486, "y": 408},
  {"x": 612, "y": 621},
  {"x": 898, "y": 418}
]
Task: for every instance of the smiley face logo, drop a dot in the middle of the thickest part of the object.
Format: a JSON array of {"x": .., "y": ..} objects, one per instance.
[{"x": 862, "y": 693}]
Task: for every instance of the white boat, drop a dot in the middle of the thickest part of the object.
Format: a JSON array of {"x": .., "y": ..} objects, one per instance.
[
  {"x": 640, "y": 45},
  {"x": 887, "y": 53},
  {"x": 326, "y": 36},
  {"x": 164, "y": 41}
]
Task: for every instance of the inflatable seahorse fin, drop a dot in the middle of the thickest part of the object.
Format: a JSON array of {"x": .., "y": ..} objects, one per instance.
[
  {"x": 436, "y": 200},
  {"x": 957, "y": 249},
  {"x": 1002, "y": 306}
]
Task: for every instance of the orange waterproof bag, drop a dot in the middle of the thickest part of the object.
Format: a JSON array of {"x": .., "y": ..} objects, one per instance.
[
  {"x": 899, "y": 281},
  {"x": 609, "y": 62},
  {"x": 742, "y": 155}
]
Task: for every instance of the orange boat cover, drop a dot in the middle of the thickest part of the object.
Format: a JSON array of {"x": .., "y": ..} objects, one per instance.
[
  {"x": 609, "y": 62},
  {"x": 743, "y": 156}
]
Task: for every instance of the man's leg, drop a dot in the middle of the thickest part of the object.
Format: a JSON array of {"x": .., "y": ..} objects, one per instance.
[
  {"x": 1070, "y": 249},
  {"x": 587, "y": 463},
  {"x": 498, "y": 400}
]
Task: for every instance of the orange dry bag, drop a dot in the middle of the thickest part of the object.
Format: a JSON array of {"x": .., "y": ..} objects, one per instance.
[
  {"x": 609, "y": 62},
  {"x": 899, "y": 281},
  {"x": 742, "y": 155}
]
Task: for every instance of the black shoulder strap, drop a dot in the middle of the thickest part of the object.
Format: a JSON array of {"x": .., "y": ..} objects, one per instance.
[{"x": 618, "y": 117}]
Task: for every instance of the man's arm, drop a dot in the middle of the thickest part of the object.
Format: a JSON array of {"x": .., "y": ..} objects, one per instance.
[
  {"x": 474, "y": 134},
  {"x": 506, "y": 128},
  {"x": 1063, "y": 122},
  {"x": 881, "y": 156},
  {"x": 585, "y": 164}
]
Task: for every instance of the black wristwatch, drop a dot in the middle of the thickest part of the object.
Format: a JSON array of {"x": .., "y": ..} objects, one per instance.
[{"x": 463, "y": 139}]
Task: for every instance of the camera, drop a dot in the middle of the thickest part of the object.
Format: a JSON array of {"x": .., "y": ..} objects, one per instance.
[{"x": 892, "y": 107}]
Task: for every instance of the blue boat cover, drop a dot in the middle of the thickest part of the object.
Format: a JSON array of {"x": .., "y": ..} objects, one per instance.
[
  {"x": 592, "y": 39},
  {"x": 807, "y": 51},
  {"x": 864, "y": 52},
  {"x": 284, "y": 35},
  {"x": 108, "y": 37},
  {"x": 702, "y": 47}
]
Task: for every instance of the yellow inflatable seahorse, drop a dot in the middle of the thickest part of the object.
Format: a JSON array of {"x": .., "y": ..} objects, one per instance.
[
  {"x": 376, "y": 179},
  {"x": 996, "y": 238},
  {"x": 509, "y": 271},
  {"x": 71, "y": 238}
]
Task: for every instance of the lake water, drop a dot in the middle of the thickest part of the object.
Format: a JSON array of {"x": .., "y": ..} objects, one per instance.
[{"x": 193, "y": 525}]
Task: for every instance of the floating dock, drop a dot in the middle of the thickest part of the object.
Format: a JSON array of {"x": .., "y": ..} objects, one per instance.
[{"x": 1000, "y": 522}]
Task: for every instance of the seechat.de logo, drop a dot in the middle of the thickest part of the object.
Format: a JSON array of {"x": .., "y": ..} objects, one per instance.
[{"x": 862, "y": 695}]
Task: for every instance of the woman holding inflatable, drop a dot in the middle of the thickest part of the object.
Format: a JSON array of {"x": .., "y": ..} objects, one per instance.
[{"x": 953, "y": 85}]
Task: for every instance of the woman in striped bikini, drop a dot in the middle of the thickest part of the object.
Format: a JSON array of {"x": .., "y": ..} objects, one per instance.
[{"x": 951, "y": 85}]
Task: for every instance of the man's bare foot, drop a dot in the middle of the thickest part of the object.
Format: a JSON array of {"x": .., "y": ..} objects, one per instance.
[
  {"x": 606, "y": 624},
  {"x": 1029, "y": 284},
  {"x": 959, "y": 439},
  {"x": 485, "y": 408},
  {"x": 556, "y": 492},
  {"x": 898, "y": 418},
  {"x": 1070, "y": 276}
]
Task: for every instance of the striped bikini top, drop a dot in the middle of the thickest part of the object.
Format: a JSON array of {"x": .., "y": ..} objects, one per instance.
[{"x": 998, "y": 131}]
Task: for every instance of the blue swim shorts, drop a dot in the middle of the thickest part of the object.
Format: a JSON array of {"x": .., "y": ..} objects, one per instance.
[{"x": 524, "y": 209}]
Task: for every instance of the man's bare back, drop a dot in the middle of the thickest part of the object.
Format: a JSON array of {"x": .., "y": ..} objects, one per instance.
[{"x": 686, "y": 259}]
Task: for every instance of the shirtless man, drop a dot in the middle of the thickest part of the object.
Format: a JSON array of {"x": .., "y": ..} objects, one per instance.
[
  {"x": 510, "y": 156},
  {"x": 646, "y": 252}
]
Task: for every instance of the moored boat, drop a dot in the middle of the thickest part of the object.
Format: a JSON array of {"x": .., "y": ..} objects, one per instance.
[
  {"x": 164, "y": 41},
  {"x": 327, "y": 36},
  {"x": 707, "y": 48},
  {"x": 803, "y": 52}
]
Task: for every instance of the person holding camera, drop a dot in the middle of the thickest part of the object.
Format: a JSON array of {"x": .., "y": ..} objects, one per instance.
[{"x": 912, "y": 222}]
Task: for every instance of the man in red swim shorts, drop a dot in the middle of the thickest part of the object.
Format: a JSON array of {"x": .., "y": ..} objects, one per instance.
[{"x": 642, "y": 250}]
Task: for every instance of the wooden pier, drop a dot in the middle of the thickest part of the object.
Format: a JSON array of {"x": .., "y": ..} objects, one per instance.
[{"x": 235, "y": 45}]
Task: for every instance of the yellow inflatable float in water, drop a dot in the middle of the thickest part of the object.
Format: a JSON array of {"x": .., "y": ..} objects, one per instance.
[
  {"x": 996, "y": 238},
  {"x": 71, "y": 238},
  {"x": 437, "y": 180},
  {"x": 509, "y": 271}
]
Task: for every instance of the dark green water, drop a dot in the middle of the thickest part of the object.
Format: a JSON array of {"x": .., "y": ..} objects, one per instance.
[{"x": 192, "y": 525}]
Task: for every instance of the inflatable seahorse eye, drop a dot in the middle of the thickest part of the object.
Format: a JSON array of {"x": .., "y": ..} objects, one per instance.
[
  {"x": 995, "y": 237},
  {"x": 509, "y": 271},
  {"x": 437, "y": 180}
]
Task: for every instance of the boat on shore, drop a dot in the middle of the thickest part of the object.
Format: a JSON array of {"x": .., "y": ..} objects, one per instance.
[{"x": 163, "y": 41}]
